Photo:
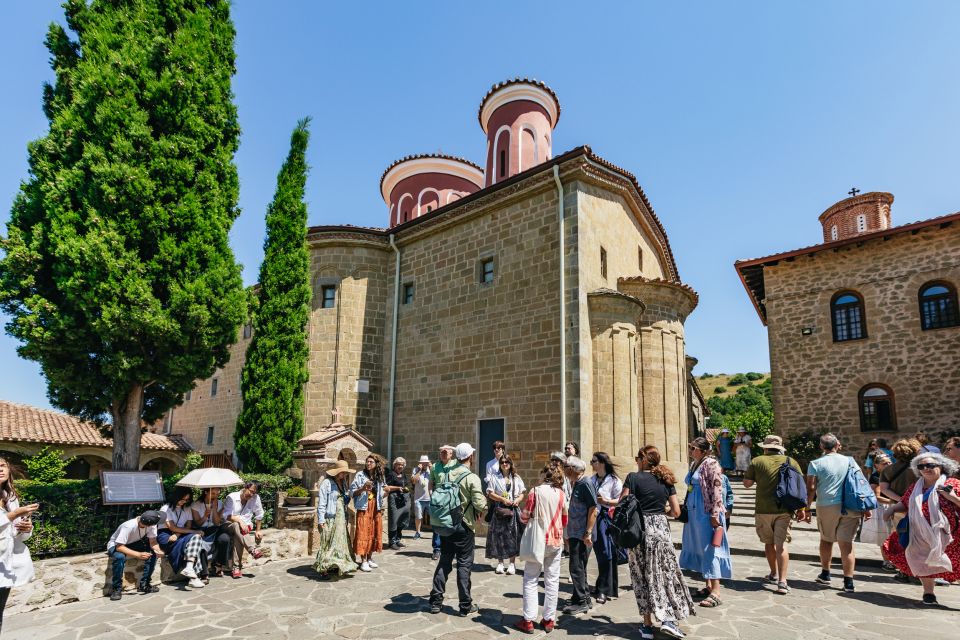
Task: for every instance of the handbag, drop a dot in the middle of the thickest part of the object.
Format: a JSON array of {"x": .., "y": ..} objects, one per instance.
[
  {"x": 504, "y": 513},
  {"x": 903, "y": 531},
  {"x": 684, "y": 516},
  {"x": 533, "y": 543}
]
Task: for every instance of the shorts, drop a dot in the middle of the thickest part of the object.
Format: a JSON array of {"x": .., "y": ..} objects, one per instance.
[
  {"x": 421, "y": 507},
  {"x": 834, "y": 527},
  {"x": 773, "y": 528}
]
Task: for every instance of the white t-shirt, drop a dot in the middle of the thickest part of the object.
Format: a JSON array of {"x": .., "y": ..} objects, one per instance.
[
  {"x": 421, "y": 486},
  {"x": 206, "y": 519},
  {"x": 493, "y": 467},
  {"x": 249, "y": 512},
  {"x": 130, "y": 532},
  {"x": 498, "y": 484},
  {"x": 610, "y": 488},
  {"x": 178, "y": 516}
]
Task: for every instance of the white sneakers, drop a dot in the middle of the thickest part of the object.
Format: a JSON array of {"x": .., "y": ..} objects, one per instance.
[
  {"x": 373, "y": 565},
  {"x": 511, "y": 570},
  {"x": 499, "y": 570},
  {"x": 188, "y": 572},
  {"x": 365, "y": 566},
  {"x": 196, "y": 583}
]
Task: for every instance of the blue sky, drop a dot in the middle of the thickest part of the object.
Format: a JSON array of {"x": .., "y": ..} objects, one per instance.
[{"x": 742, "y": 121}]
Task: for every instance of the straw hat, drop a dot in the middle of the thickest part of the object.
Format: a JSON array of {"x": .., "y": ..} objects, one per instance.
[{"x": 340, "y": 467}]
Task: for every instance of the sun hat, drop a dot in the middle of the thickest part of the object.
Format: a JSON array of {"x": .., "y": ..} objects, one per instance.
[
  {"x": 463, "y": 451},
  {"x": 424, "y": 459},
  {"x": 340, "y": 467},
  {"x": 773, "y": 442},
  {"x": 725, "y": 431},
  {"x": 741, "y": 429}
]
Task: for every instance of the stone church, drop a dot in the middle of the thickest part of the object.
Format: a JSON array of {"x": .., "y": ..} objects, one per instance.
[
  {"x": 533, "y": 299},
  {"x": 863, "y": 327}
]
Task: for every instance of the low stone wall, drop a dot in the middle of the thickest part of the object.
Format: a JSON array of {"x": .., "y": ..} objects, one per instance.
[{"x": 87, "y": 577}]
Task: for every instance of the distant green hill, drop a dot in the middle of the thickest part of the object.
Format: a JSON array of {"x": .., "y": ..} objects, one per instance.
[
  {"x": 709, "y": 382},
  {"x": 738, "y": 399}
]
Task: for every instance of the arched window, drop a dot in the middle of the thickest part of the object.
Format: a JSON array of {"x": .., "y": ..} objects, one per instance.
[
  {"x": 877, "y": 411},
  {"x": 938, "y": 306},
  {"x": 846, "y": 312}
]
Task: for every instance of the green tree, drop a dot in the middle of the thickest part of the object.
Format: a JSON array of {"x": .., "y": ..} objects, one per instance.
[
  {"x": 47, "y": 465},
  {"x": 117, "y": 272},
  {"x": 275, "y": 371},
  {"x": 747, "y": 398}
]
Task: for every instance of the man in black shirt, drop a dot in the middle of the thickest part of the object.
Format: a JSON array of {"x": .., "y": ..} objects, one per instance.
[{"x": 398, "y": 512}]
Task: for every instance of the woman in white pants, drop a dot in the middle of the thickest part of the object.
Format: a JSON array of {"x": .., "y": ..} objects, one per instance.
[{"x": 545, "y": 514}]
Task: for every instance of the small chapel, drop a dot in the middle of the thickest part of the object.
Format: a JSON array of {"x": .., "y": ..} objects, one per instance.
[{"x": 529, "y": 297}]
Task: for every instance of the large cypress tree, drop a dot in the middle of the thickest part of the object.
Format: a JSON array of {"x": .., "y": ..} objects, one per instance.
[
  {"x": 117, "y": 270},
  {"x": 275, "y": 371}
]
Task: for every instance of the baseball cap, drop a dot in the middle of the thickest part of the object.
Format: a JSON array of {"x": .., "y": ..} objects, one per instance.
[
  {"x": 463, "y": 451},
  {"x": 150, "y": 518}
]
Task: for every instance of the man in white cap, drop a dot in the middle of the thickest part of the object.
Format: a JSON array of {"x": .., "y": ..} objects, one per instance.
[
  {"x": 772, "y": 521},
  {"x": 461, "y": 541}
]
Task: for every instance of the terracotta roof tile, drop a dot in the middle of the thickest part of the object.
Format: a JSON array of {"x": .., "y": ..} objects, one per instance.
[
  {"x": 23, "y": 423},
  {"x": 673, "y": 283},
  {"x": 517, "y": 80},
  {"x": 419, "y": 156}
]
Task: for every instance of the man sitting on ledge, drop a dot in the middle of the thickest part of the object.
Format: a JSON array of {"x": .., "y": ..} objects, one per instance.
[{"x": 128, "y": 540}]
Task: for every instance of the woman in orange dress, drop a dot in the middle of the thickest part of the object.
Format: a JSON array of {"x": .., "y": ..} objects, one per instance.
[{"x": 367, "y": 492}]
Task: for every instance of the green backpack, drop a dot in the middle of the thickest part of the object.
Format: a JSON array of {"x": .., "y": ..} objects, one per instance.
[{"x": 446, "y": 505}]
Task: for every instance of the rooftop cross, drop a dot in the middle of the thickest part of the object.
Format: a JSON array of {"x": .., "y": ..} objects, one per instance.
[
  {"x": 337, "y": 414},
  {"x": 854, "y": 191}
]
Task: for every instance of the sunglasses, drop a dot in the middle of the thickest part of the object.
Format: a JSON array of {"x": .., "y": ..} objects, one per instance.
[
  {"x": 923, "y": 466},
  {"x": 594, "y": 461}
]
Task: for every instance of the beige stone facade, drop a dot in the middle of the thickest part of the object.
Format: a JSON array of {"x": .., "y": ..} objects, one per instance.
[{"x": 818, "y": 381}]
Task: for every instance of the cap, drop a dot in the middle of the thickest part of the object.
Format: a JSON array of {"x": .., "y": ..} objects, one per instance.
[
  {"x": 463, "y": 451},
  {"x": 424, "y": 459},
  {"x": 150, "y": 518}
]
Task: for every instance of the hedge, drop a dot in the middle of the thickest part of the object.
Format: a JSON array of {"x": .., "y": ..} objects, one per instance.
[{"x": 72, "y": 520}]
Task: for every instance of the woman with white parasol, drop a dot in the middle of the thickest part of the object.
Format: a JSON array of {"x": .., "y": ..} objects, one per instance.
[{"x": 208, "y": 515}]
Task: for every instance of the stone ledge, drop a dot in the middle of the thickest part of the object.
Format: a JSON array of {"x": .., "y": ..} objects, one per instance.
[{"x": 88, "y": 577}]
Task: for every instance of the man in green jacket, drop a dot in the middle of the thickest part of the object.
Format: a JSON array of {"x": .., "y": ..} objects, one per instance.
[{"x": 461, "y": 542}]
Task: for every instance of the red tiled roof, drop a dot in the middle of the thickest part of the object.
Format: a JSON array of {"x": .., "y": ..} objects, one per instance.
[
  {"x": 517, "y": 80},
  {"x": 419, "y": 156},
  {"x": 23, "y": 423},
  {"x": 751, "y": 271}
]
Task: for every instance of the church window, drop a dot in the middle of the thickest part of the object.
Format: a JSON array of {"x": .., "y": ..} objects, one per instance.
[
  {"x": 861, "y": 223},
  {"x": 408, "y": 293},
  {"x": 429, "y": 208},
  {"x": 213, "y": 387},
  {"x": 640, "y": 258},
  {"x": 938, "y": 306},
  {"x": 210, "y": 435},
  {"x": 833, "y": 232},
  {"x": 877, "y": 411},
  {"x": 486, "y": 271},
  {"x": 328, "y": 297},
  {"x": 406, "y": 216},
  {"x": 503, "y": 162},
  {"x": 847, "y": 316},
  {"x": 603, "y": 263},
  {"x": 189, "y": 395}
]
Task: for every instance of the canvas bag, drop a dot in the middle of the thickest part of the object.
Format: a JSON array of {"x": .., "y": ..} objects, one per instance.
[
  {"x": 856, "y": 494},
  {"x": 533, "y": 544}
]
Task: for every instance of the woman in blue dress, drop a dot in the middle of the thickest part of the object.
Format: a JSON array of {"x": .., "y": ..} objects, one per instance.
[
  {"x": 707, "y": 514},
  {"x": 725, "y": 449}
]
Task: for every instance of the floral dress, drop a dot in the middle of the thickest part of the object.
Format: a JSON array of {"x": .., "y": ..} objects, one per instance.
[
  {"x": 897, "y": 554},
  {"x": 334, "y": 552}
]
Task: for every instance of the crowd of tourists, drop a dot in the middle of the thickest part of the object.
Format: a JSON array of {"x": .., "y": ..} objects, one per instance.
[{"x": 905, "y": 499}]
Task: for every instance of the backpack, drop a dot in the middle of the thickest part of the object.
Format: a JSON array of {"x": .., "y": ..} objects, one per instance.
[
  {"x": 628, "y": 526},
  {"x": 857, "y": 495},
  {"x": 791, "y": 490},
  {"x": 446, "y": 506}
]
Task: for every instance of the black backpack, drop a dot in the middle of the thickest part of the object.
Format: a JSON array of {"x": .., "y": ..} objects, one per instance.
[
  {"x": 628, "y": 526},
  {"x": 791, "y": 488}
]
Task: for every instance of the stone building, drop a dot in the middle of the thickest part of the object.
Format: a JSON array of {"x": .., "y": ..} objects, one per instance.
[
  {"x": 25, "y": 430},
  {"x": 449, "y": 325},
  {"x": 863, "y": 328}
]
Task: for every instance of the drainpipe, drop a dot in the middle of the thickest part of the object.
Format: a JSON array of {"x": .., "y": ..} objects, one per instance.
[
  {"x": 563, "y": 315},
  {"x": 393, "y": 348}
]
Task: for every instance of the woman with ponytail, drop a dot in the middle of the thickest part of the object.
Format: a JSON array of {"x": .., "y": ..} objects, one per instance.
[{"x": 657, "y": 581}]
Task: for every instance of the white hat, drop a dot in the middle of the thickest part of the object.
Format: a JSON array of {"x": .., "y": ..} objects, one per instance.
[
  {"x": 463, "y": 451},
  {"x": 725, "y": 431},
  {"x": 425, "y": 459}
]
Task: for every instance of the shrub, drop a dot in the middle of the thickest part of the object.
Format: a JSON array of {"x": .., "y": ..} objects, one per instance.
[
  {"x": 758, "y": 423},
  {"x": 738, "y": 379},
  {"x": 704, "y": 376},
  {"x": 47, "y": 466},
  {"x": 297, "y": 492},
  {"x": 753, "y": 376},
  {"x": 804, "y": 446},
  {"x": 719, "y": 389}
]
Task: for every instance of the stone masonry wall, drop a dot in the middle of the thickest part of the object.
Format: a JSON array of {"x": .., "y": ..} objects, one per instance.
[
  {"x": 816, "y": 381},
  {"x": 202, "y": 410},
  {"x": 362, "y": 271}
]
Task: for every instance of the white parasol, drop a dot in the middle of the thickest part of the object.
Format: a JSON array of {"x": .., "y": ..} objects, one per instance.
[{"x": 210, "y": 478}]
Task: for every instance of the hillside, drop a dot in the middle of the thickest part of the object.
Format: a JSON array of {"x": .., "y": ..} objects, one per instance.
[{"x": 709, "y": 383}]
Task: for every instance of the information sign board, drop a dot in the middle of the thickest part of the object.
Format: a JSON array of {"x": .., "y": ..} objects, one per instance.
[{"x": 131, "y": 487}]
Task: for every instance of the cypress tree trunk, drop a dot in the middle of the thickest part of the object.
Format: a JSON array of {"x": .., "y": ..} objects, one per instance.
[
  {"x": 117, "y": 271},
  {"x": 275, "y": 371}
]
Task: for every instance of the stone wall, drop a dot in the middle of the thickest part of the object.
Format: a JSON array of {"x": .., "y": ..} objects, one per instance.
[
  {"x": 88, "y": 577},
  {"x": 816, "y": 381},
  {"x": 193, "y": 418}
]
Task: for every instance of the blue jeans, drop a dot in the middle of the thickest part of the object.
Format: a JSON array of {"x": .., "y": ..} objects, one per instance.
[
  {"x": 436, "y": 541},
  {"x": 120, "y": 561}
]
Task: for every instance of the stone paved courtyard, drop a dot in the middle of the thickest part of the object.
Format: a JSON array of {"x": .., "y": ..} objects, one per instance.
[{"x": 284, "y": 600}]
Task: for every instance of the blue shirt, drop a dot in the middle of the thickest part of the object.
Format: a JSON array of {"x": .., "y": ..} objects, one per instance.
[{"x": 830, "y": 470}]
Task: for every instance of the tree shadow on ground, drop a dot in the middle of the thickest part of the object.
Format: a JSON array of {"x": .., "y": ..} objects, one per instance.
[{"x": 307, "y": 571}]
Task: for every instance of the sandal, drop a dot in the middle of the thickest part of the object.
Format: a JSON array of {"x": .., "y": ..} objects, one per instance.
[
  {"x": 701, "y": 593},
  {"x": 710, "y": 602},
  {"x": 770, "y": 578}
]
